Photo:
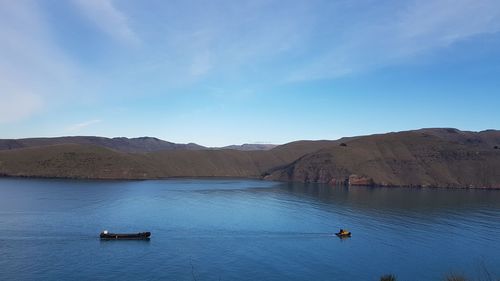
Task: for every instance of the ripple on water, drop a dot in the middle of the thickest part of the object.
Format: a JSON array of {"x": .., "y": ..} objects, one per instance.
[{"x": 242, "y": 230}]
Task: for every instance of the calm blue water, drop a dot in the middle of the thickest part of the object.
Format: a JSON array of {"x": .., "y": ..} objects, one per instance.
[{"x": 243, "y": 230}]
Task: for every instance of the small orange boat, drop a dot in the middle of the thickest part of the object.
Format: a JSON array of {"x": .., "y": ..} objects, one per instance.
[{"x": 343, "y": 233}]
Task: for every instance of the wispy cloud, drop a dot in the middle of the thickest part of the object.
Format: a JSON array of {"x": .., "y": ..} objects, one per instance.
[
  {"x": 109, "y": 19},
  {"x": 235, "y": 46},
  {"x": 32, "y": 68},
  {"x": 18, "y": 105},
  {"x": 201, "y": 63},
  {"x": 398, "y": 33},
  {"x": 80, "y": 126},
  {"x": 193, "y": 40},
  {"x": 300, "y": 41}
]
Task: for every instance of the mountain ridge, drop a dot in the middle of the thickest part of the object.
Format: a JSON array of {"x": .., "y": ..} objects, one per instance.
[
  {"x": 134, "y": 145},
  {"x": 433, "y": 157}
]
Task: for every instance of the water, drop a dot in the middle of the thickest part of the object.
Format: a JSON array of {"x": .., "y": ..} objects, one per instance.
[{"x": 243, "y": 230}]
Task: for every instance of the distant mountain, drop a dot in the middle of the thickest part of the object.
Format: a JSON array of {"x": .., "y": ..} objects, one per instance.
[
  {"x": 427, "y": 157},
  {"x": 250, "y": 147},
  {"x": 132, "y": 145}
]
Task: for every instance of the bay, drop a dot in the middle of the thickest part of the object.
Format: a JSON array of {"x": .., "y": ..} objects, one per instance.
[{"x": 235, "y": 229}]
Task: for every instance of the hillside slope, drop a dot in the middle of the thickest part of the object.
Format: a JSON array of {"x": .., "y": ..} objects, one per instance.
[
  {"x": 427, "y": 157},
  {"x": 99, "y": 162},
  {"x": 142, "y": 144},
  {"x": 75, "y": 161}
]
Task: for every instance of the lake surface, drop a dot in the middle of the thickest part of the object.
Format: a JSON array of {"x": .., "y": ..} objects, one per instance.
[{"x": 243, "y": 230}]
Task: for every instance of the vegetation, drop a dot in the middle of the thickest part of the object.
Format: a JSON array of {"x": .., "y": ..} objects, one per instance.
[
  {"x": 423, "y": 158},
  {"x": 429, "y": 157}
]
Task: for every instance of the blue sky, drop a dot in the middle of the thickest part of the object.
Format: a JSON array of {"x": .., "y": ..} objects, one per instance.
[{"x": 230, "y": 72}]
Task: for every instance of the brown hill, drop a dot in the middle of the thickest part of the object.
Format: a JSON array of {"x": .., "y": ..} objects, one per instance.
[
  {"x": 427, "y": 157},
  {"x": 142, "y": 144},
  {"x": 99, "y": 162},
  {"x": 74, "y": 161}
]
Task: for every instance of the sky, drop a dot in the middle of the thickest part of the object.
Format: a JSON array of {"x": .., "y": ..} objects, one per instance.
[{"x": 223, "y": 72}]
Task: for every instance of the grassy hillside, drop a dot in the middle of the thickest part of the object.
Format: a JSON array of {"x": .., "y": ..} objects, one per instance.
[
  {"x": 415, "y": 158},
  {"x": 91, "y": 161},
  {"x": 428, "y": 157},
  {"x": 75, "y": 161},
  {"x": 142, "y": 144}
]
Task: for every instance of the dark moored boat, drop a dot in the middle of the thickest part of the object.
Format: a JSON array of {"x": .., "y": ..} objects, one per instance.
[{"x": 124, "y": 236}]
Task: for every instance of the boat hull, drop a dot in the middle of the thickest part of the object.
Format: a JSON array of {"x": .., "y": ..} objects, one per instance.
[
  {"x": 343, "y": 235},
  {"x": 125, "y": 236}
]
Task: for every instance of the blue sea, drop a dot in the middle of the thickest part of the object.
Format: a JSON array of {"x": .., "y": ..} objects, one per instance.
[{"x": 234, "y": 229}]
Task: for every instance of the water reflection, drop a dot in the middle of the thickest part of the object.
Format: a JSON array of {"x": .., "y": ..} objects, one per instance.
[
  {"x": 242, "y": 230},
  {"x": 402, "y": 199}
]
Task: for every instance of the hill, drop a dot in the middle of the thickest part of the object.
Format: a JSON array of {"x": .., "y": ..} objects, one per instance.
[
  {"x": 427, "y": 157},
  {"x": 101, "y": 162},
  {"x": 142, "y": 144}
]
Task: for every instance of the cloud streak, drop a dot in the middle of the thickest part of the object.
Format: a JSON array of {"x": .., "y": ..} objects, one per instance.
[
  {"x": 32, "y": 68},
  {"x": 104, "y": 15},
  {"x": 250, "y": 40},
  {"x": 414, "y": 28},
  {"x": 18, "y": 105},
  {"x": 80, "y": 126},
  {"x": 191, "y": 46}
]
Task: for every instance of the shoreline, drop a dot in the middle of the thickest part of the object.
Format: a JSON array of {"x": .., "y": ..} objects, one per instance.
[{"x": 90, "y": 179}]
